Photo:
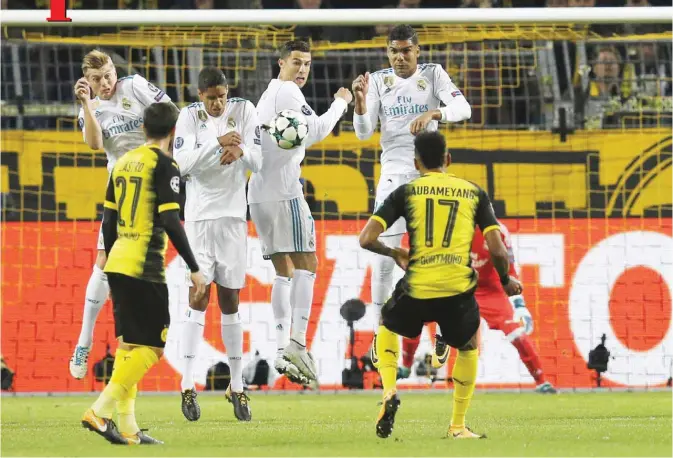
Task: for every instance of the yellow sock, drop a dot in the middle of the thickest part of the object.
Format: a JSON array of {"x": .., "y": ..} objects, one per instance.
[
  {"x": 126, "y": 409},
  {"x": 388, "y": 351},
  {"x": 104, "y": 405},
  {"x": 132, "y": 367},
  {"x": 464, "y": 379}
]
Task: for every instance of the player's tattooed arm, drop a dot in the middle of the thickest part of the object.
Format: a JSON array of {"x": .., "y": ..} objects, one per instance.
[
  {"x": 499, "y": 255},
  {"x": 369, "y": 240},
  {"x": 500, "y": 260},
  {"x": 386, "y": 214}
]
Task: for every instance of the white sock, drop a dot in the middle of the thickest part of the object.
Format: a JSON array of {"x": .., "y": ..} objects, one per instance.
[
  {"x": 302, "y": 299},
  {"x": 382, "y": 276},
  {"x": 97, "y": 291},
  {"x": 232, "y": 338},
  {"x": 282, "y": 310},
  {"x": 192, "y": 333}
]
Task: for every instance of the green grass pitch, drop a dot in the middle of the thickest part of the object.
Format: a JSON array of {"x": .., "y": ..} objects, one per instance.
[{"x": 571, "y": 424}]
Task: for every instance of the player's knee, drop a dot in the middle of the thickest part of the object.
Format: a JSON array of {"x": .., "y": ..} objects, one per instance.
[
  {"x": 305, "y": 261},
  {"x": 282, "y": 265},
  {"x": 201, "y": 305},
  {"x": 228, "y": 300},
  {"x": 101, "y": 259}
]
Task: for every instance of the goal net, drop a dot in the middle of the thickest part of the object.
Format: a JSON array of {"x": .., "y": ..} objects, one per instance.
[{"x": 570, "y": 135}]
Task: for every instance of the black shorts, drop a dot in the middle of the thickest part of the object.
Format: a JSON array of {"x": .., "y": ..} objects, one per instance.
[
  {"x": 140, "y": 310},
  {"x": 457, "y": 316}
]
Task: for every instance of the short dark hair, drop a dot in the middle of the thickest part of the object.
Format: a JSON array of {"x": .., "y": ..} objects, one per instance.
[
  {"x": 211, "y": 77},
  {"x": 293, "y": 45},
  {"x": 159, "y": 120},
  {"x": 403, "y": 32},
  {"x": 430, "y": 149}
]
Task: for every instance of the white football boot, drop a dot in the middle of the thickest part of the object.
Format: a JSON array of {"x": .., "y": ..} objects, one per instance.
[
  {"x": 79, "y": 362},
  {"x": 302, "y": 360}
]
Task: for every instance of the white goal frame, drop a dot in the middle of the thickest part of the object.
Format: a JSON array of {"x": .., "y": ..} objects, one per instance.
[{"x": 352, "y": 17}]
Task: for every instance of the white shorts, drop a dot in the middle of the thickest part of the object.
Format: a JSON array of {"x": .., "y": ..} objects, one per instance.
[
  {"x": 101, "y": 242},
  {"x": 284, "y": 227},
  {"x": 387, "y": 184},
  {"x": 220, "y": 248}
]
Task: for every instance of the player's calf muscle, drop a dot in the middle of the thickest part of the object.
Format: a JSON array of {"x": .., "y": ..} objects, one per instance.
[
  {"x": 471, "y": 344},
  {"x": 282, "y": 265},
  {"x": 304, "y": 261}
]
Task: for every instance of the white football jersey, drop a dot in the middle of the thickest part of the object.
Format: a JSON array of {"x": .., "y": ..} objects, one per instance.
[
  {"x": 396, "y": 102},
  {"x": 121, "y": 117},
  {"x": 215, "y": 190},
  {"x": 278, "y": 179}
]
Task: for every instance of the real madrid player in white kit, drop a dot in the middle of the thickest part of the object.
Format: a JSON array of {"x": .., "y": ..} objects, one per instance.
[
  {"x": 111, "y": 118},
  {"x": 217, "y": 140},
  {"x": 282, "y": 216},
  {"x": 406, "y": 99}
]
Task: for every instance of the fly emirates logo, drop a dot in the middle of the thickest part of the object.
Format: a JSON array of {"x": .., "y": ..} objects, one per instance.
[{"x": 403, "y": 106}]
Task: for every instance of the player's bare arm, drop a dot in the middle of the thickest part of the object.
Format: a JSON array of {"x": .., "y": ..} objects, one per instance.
[
  {"x": 458, "y": 111},
  {"x": 369, "y": 240},
  {"x": 500, "y": 259},
  {"x": 295, "y": 66},
  {"x": 230, "y": 154},
  {"x": 231, "y": 150},
  {"x": 455, "y": 110},
  {"x": 419, "y": 124},
  {"x": 360, "y": 89},
  {"x": 231, "y": 139},
  {"x": 93, "y": 134}
]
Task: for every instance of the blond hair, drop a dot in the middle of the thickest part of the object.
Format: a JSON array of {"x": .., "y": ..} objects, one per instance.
[{"x": 95, "y": 60}]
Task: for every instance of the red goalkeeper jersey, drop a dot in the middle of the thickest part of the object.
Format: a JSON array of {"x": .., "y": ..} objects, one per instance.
[{"x": 481, "y": 259}]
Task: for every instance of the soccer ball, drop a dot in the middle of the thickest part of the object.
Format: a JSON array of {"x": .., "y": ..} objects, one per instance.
[{"x": 288, "y": 129}]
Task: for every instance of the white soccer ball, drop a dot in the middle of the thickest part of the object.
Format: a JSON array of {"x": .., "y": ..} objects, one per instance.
[{"x": 288, "y": 129}]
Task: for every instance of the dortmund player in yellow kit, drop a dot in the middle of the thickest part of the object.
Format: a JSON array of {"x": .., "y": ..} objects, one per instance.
[
  {"x": 141, "y": 208},
  {"x": 441, "y": 211}
]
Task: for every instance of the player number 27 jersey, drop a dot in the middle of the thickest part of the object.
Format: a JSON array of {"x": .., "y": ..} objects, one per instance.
[
  {"x": 144, "y": 183},
  {"x": 441, "y": 211}
]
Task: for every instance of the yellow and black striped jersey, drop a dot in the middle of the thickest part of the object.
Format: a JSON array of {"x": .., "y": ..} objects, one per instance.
[
  {"x": 441, "y": 211},
  {"x": 144, "y": 183}
]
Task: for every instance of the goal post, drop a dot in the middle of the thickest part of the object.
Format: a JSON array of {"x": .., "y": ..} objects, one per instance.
[{"x": 582, "y": 178}]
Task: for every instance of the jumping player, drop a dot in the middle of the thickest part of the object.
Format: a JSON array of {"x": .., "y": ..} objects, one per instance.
[
  {"x": 111, "y": 118},
  {"x": 406, "y": 99}
]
